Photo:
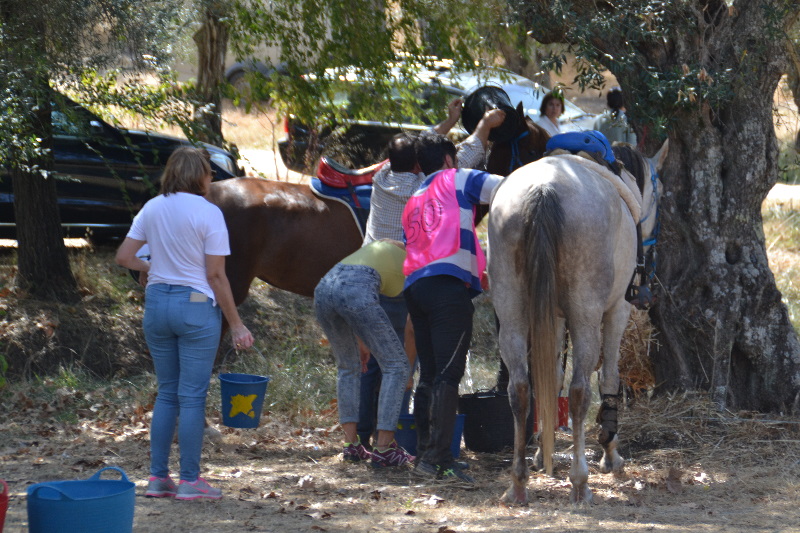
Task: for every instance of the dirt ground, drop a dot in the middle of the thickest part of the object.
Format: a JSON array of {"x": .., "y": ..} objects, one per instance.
[{"x": 688, "y": 468}]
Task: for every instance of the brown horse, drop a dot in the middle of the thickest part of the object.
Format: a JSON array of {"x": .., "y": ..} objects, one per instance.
[
  {"x": 282, "y": 234},
  {"x": 527, "y": 145}
]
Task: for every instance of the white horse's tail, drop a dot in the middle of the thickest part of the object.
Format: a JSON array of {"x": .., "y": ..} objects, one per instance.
[{"x": 538, "y": 261}]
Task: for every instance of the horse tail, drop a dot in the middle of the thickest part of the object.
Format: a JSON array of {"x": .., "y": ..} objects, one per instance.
[{"x": 543, "y": 225}]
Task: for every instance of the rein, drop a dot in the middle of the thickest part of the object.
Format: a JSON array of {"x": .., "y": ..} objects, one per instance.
[
  {"x": 516, "y": 160},
  {"x": 651, "y": 241}
]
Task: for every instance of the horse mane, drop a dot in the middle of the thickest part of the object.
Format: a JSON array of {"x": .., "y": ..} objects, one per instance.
[{"x": 633, "y": 161}]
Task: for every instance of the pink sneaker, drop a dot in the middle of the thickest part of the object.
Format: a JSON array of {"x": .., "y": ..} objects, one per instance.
[
  {"x": 161, "y": 487},
  {"x": 393, "y": 455},
  {"x": 197, "y": 490},
  {"x": 355, "y": 452}
]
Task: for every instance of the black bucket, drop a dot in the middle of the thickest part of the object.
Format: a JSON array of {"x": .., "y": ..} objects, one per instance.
[
  {"x": 490, "y": 97},
  {"x": 489, "y": 424}
]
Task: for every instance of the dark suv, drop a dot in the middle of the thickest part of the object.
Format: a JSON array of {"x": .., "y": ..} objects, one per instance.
[{"x": 105, "y": 174}]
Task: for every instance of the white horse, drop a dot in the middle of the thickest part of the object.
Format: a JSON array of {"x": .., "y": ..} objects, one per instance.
[{"x": 562, "y": 251}]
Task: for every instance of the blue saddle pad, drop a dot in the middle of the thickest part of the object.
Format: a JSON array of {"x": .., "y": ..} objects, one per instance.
[
  {"x": 591, "y": 141},
  {"x": 362, "y": 192}
]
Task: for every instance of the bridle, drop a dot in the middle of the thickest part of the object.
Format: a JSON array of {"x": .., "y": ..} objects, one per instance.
[
  {"x": 516, "y": 160},
  {"x": 516, "y": 154}
]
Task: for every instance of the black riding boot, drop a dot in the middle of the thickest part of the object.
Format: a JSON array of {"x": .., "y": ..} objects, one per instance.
[
  {"x": 443, "y": 422},
  {"x": 422, "y": 416}
]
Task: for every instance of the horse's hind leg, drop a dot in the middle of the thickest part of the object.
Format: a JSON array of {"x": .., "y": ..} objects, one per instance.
[
  {"x": 585, "y": 353},
  {"x": 614, "y": 323},
  {"x": 513, "y": 348}
]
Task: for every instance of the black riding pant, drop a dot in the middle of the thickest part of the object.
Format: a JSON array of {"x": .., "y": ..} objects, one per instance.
[{"x": 441, "y": 311}]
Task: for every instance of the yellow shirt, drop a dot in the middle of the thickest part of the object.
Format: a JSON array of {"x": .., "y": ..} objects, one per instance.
[{"x": 387, "y": 259}]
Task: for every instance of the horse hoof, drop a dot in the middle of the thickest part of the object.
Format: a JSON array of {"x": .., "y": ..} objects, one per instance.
[
  {"x": 516, "y": 497},
  {"x": 580, "y": 496},
  {"x": 613, "y": 464}
]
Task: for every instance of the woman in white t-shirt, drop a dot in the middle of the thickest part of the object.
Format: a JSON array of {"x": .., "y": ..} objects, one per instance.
[
  {"x": 187, "y": 293},
  {"x": 552, "y": 107}
]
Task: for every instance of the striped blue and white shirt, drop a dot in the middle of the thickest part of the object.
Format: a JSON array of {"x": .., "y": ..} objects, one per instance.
[{"x": 472, "y": 187}]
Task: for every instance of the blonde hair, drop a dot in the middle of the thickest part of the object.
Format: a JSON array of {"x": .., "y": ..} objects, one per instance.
[{"x": 186, "y": 171}]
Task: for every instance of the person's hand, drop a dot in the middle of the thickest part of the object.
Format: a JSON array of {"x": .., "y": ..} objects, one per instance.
[
  {"x": 485, "y": 280},
  {"x": 453, "y": 114},
  {"x": 242, "y": 339},
  {"x": 494, "y": 117},
  {"x": 143, "y": 278},
  {"x": 454, "y": 109}
]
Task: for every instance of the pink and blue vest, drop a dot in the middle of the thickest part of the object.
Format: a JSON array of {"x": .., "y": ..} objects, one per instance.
[{"x": 438, "y": 238}]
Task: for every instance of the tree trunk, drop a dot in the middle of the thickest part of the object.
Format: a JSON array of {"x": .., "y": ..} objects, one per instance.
[
  {"x": 212, "y": 44},
  {"x": 793, "y": 79},
  {"x": 44, "y": 269},
  {"x": 43, "y": 265},
  {"x": 723, "y": 327},
  {"x": 522, "y": 57}
]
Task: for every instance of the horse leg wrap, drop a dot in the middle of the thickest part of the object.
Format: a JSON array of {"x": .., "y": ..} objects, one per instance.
[{"x": 607, "y": 418}]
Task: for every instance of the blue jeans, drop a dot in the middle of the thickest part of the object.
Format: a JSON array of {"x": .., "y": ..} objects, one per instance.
[
  {"x": 183, "y": 337},
  {"x": 347, "y": 306},
  {"x": 397, "y": 312}
]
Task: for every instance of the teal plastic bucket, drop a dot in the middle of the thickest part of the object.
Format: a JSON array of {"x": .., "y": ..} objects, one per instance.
[
  {"x": 242, "y": 399},
  {"x": 406, "y": 434},
  {"x": 93, "y": 505}
]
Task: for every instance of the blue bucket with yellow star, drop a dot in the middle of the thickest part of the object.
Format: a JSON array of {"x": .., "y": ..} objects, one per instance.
[{"x": 242, "y": 399}]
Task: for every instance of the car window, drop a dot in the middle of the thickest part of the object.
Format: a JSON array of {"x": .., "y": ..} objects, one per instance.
[
  {"x": 75, "y": 121},
  {"x": 62, "y": 125}
]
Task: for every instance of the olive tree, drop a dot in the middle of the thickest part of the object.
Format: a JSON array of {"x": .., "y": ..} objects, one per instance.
[{"x": 703, "y": 73}]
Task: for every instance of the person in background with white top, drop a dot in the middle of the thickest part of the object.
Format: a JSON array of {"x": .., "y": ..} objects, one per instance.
[
  {"x": 186, "y": 294},
  {"x": 613, "y": 123},
  {"x": 552, "y": 107}
]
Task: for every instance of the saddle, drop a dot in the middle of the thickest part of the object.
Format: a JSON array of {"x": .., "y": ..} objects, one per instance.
[
  {"x": 591, "y": 142},
  {"x": 353, "y": 188},
  {"x": 338, "y": 176}
]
